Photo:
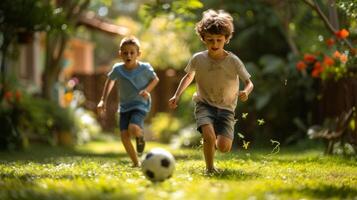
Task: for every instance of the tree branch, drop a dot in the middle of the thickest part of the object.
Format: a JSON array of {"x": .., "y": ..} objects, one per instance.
[{"x": 315, "y": 6}]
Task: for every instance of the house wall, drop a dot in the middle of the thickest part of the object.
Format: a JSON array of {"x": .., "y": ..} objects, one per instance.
[
  {"x": 78, "y": 58},
  {"x": 31, "y": 61}
]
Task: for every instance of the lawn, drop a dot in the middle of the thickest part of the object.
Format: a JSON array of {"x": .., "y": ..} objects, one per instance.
[{"x": 101, "y": 170}]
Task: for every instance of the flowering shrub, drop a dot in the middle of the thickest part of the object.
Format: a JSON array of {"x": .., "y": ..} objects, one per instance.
[
  {"x": 25, "y": 118},
  {"x": 10, "y": 116},
  {"x": 331, "y": 63}
]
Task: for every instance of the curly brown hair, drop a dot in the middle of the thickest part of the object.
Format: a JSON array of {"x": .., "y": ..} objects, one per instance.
[{"x": 215, "y": 22}]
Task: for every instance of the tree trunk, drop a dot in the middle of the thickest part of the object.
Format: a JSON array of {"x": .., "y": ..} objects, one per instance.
[
  {"x": 8, "y": 37},
  {"x": 54, "y": 51},
  {"x": 55, "y": 45},
  {"x": 333, "y": 16}
]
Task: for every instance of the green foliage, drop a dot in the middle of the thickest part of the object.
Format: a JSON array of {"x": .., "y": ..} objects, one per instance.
[
  {"x": 27, "y": 117},
  {"x": 43, "y": 117},
  {"x": 11, "y": 115},
  {"x": 25, "y": 15},
  {"x": 162, "y": 46},
  {"x": 278, "y": 88},
  {"x": 102, "y": 170},
  {"x": 181, "y": 11},
  {"x": 185, "y": 108},
  {"x": 164, "y": 126},
  {"x": 349, "y": 7},
  {"x": 177, "y": 128}
]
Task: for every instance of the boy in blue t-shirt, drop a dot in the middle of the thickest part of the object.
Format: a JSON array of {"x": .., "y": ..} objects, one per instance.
[{"x": 135, "y": 82}]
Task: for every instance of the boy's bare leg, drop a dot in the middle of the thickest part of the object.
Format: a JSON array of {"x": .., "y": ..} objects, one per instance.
[
  {"x": 126, "y": 140},
  {"x": 135, "y": 130},
  {"x": 209, "y": 140},
  {"x": 224, "y": 144}
]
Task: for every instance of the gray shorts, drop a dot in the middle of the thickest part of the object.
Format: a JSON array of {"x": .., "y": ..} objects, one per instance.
[{"x": 222, "y": 120}]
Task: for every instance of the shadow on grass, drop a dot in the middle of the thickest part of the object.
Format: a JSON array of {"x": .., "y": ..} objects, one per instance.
[
  {"x": 327, "y": 191},
  {"x": 234, "y": 174},
  {"x": 291, "y": 155},
  {"x": 36, "y": 192},
  {"x": 28, "y": 178},
  {"x": 47, "y": 154},
  {"x": 185, "y": 157}
]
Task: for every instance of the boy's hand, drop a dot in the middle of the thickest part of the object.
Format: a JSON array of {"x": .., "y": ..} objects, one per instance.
[
  {"x": 101, "y": 108},
  {"x": 173, "y": 102},
  {"x": 243, "y": 95},
  {"x": 145, "y": 94}
]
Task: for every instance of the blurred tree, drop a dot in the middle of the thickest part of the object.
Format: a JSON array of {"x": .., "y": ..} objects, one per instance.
[
  {"x": 19, "y": 19},
  {"x": 349, "y": 7},
  {"x": 181, "y": 11},
  {"x": 67, "y": 14},
  {"x": 180, "y": 15},
  {"x": 331, "y": 22}
]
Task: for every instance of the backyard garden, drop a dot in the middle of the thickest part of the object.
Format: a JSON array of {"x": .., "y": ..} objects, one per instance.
[{"x": 294, "y": 138}]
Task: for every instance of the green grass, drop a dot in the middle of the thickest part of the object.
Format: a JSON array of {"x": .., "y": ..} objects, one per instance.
[{"x": 101, "y": 170}]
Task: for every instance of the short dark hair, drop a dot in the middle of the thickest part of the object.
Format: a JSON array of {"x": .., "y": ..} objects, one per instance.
[
  {"x": 215, "y": 22},
  {"x": 130, "y": 40}
]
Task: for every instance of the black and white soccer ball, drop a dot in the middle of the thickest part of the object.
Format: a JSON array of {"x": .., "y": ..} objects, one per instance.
[{"x": 158, "y": 165}]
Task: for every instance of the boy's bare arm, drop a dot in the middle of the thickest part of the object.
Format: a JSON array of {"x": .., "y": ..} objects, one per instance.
[
  {"x": 184, "y": 83},
  {"x": 146, "y": 92},
  {"x": 248, "y": 87},
  {"x": 108, "y": 85},
  {"x": 152, "y": 84}
]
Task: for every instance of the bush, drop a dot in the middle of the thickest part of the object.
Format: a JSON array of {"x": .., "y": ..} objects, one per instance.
[
  {"x": 164, "y": 126},
  {"x": 43, "y": 117},
  {"x": 278, "y": 89},
  {"x": 88, "y": 126},
  {"x": 10, "y": 118},
  {"x": 187, "y": 137},
  {"x": 23, "y": 116}
]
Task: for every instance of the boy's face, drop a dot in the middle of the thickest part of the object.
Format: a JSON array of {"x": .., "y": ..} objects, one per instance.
[
  {"x": 214, "y": 43},
  {"x": 129, "y": 53}
]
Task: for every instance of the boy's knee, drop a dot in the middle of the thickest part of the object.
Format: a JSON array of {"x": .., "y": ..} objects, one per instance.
[
  {"x": 134, "y": 129},
  {"x": 224, "y": 148},
  {"x": 224, "y": 144}
]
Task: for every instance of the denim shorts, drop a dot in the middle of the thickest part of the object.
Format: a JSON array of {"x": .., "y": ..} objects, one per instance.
[
  {"x": 222, "y": 120},
  {"x": 131, "y": 117}
]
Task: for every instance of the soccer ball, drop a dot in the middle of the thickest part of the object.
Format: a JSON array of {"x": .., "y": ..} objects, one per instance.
[{"x": 158, "y": 165}]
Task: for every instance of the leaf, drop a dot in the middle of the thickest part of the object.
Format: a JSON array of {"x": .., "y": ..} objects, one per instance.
[
  {"x": 245, "y": 144},
  {"x": 194, "y": 4},
  {"x": 261, "y": 122},
  {"x": 240, "y": 135},
  {"x": 276, "y": 148},
  {"x": 244, "y": 115}
]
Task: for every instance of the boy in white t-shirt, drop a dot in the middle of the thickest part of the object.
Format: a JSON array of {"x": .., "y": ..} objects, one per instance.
[{"x": 217, "y": 73}]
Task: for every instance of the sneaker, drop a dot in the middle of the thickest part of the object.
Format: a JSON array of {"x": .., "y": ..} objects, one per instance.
[{"x": 140, "y": 144}]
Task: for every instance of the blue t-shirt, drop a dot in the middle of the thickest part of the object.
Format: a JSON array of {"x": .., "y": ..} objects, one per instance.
[{"x": 130, "y": 83}]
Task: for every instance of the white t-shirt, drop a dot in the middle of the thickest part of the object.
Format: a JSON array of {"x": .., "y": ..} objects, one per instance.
[{"x": 217, "y": 81}]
